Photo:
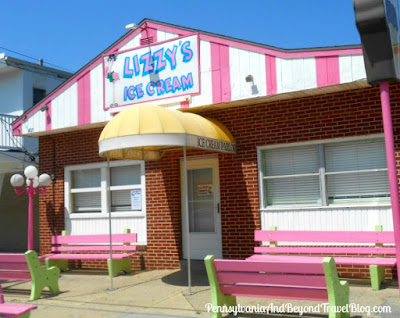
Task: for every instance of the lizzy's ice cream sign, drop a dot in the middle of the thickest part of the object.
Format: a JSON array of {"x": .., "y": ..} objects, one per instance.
[{"x": 165, "y": 70}]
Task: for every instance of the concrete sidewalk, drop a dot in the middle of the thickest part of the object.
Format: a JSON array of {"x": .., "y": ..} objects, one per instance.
[{"x": 163, "y": 293}]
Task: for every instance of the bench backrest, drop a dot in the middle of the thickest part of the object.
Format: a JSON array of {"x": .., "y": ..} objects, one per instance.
[
  {"x": 278, "y": 279},
  {"x": 325, "y": 238},
  {"x": 95, "y": 243},
  {"x": 375, "y": 237},
  {"x": 14, "y": 266}
]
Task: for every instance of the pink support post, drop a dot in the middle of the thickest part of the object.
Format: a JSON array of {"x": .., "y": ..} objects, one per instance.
[
  {"x": 31, "y": 192},
  {"x": 392, "y": 170}
]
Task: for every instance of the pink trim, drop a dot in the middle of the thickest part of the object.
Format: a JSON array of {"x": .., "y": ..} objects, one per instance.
[
  {"x": 149, "y": 32},
  {"x": 327, "y": 70},
  {"x": 185, "y": 104},
  {"x": 270, "y": 65},
  {"x": 84, "y": 109},
  {"x": 214, "y": 39},
  {"x": 220, "y": 70},
  {"x": 16, "y": 128},
  {"x": 256, "y": 48},
  {"x": 260, "y": 49},
  {"x": 48, "y": 117}
]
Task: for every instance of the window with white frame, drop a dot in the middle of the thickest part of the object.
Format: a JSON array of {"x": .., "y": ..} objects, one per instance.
[
  {"x": 331, "y": 173},
  {"x": 86, "y": 187}
]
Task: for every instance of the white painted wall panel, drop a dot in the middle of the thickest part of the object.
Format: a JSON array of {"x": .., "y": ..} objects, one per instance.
[
  {"x": 80, "y": 226},
  {"x": 351, "y": 68},
  {"x": 295, "y": 74},
  {"x": 164, "y": 36},
  {"x": 206, "y": 94},
  {"x": 98, "y": 114},
  {"x": 329, "y": 219},
  {"x": 64, "y": 108},
  {"x": 244, "y": 63},
  {"x": 35, "y": 123},
  {"x": 134, "y": 42}
]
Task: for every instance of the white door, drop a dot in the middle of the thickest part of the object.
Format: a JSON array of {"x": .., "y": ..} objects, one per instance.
[{"x": 204, "y": 209}]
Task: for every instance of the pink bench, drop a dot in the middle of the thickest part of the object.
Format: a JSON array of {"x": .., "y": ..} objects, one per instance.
[
  {"x": 93, "y": 247},
  {"x": 14, "y": 310},
  {"x": 372, "y": 251},
  {"x": 314, "y": 278},
  {"x": 26, "y": 267}
]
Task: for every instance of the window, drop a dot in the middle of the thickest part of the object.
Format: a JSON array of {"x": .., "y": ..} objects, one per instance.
[
  {"x": 86, "y": 187},
  {"x": 332, "y": 173},
  {"x": 38, "y": 95}
]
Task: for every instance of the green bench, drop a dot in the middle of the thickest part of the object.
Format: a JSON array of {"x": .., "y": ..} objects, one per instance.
[{"x": 27, "y": 267}]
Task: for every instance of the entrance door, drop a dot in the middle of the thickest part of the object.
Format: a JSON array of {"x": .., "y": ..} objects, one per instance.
[{"x": 204, "y": 209}]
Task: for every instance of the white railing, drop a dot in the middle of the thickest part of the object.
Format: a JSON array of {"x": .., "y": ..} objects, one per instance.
[{"x": 7, "y": 140}]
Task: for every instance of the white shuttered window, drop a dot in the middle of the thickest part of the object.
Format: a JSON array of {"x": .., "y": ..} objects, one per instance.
[
  {"x": 352, "y": 172},
  {"x": 86, "y": 187}
]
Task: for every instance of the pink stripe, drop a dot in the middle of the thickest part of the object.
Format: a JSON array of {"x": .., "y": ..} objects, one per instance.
[
  {"x": 220, "y": 69},
  {"x": 325, "y": 250},
  {"x": 48, "y": 116},
  {"x": 326, "y": 236},
  {"x": 88, "y": 256},
  {"x": 327, "y": 70},
  {"x": 310, "y": 265},
  {"x": 270, "y": 64},
  {"x": 185, "y": 104},
  {"x": 84, "y": 100},
  {"x": 272, "y": 279},
  {"x": 295, "y": 259},
  {"x": 70, "y": 248},
  {"x": 101, "y": 238},
  {"x": 12, "y": 258}
]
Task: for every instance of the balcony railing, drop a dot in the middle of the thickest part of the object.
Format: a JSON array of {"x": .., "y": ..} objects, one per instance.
[{"x": 7, "y": 140}]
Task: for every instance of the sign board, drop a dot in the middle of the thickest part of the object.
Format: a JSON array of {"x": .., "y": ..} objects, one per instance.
[
  {"x": 378, "y": 24},
  {"x": 159, "y": 71},
  {"x": 136, "y": 199},
  {"x": 204, "y": 190}
]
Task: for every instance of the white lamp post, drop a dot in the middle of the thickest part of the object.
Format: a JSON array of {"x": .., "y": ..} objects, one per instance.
[{"x": 34, "y": 185}]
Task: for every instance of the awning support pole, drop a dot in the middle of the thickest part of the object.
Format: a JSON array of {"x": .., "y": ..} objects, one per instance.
[
  {"x": 109, "y": 224},
  {"x": 392, "y": 170},
  {"x": 185, "y": 194}
]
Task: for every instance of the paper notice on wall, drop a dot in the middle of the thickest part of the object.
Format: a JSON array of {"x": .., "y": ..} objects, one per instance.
[
  {"x": 136, "y": 199},
  {"x": 204, "y": 190}
]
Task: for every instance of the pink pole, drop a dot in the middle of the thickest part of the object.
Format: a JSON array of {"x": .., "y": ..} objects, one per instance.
[
  {"x": 392, "y": 169},
  {"x": 31, "y": 192}
]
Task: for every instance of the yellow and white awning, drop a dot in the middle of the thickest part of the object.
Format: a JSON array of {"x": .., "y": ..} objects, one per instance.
[{"x": 145, "y": 132}]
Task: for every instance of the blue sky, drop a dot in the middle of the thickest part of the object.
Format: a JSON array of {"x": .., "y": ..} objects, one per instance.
[{"x": 71, "y": 33}]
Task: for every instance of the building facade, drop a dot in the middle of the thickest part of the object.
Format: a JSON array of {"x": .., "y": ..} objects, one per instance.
[
  {"x": 22, "y": 84},
  {"x": 308, "y": 131}
]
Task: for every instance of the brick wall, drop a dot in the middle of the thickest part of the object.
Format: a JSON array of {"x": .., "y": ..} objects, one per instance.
[{"x": 344, "y": 114}]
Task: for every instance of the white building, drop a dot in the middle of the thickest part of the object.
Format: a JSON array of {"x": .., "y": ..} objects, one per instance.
[{"x": 22, "y": 84}]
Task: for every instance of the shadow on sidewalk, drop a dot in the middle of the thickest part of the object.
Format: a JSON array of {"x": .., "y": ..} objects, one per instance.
[{"x": 198, "y": 274}]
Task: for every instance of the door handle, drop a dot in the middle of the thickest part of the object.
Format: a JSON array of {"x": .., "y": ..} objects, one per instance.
[{"x": 218, "y": 211}]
